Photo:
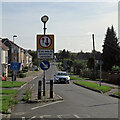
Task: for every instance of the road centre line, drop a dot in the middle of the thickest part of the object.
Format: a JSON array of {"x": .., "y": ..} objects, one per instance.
[{"x": 46, "y": 105}]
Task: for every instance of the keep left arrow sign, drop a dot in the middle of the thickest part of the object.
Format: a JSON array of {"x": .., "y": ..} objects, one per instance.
[{"x": 44, "y": 65}]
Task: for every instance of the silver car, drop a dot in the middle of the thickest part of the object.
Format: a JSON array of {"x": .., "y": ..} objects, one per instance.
[{"x": 61, "y": 77}]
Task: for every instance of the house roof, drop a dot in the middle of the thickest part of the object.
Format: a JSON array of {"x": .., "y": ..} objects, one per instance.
[{"x": 3, "y": 46}]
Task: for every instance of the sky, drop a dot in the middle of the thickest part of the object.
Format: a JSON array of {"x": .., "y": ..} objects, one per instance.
[{"x": 72, "y": 23}]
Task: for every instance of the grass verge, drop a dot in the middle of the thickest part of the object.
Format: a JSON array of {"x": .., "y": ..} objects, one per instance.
[
  {"x": 7, "y": 91},
  {"x": 6, "y": 103},
  {"x": 29, "y": 73},
  {"x": 10, "y": 84},
  {"x": 74, "y": 78},
  {"x": 117, "y": 93},
  {"x": 94, "y": 86}
]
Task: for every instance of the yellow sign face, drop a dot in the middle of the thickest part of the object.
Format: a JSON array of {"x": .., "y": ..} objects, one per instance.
[
  {"x": 45, "y": 42},
  {"x": 45, "y": 46}
]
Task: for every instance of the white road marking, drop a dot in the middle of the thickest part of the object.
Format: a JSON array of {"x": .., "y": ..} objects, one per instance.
[
  {"x": 32, "y": 86},
  {"x": 46, "y": 105},
  {"x": 41, "y": 116},
  {"x": 76, "y": 116},
  {"x": 23, "y": 118},
  {"x": 22, "y": 86},
  {"x": 45, "y": 116},
  {"x": 33, "y": 117},
  {"x": 63, "y": 116},
  {"x": 59, "y": 116},
  {"x": 35, "y": 77}
]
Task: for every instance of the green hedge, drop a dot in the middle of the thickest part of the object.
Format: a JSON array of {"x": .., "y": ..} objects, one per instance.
[{"x": 21, "y": 75}]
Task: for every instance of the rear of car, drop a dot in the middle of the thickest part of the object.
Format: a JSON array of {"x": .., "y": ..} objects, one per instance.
[{"x": 61, "y": 77}]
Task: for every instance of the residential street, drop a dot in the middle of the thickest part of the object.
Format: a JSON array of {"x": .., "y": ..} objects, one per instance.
[{"x": 78, "y": 102}]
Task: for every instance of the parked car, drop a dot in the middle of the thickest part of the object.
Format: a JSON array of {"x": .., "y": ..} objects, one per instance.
[
  {"x": 61, "y": 77},
  {"x": 2, "y": 78}
]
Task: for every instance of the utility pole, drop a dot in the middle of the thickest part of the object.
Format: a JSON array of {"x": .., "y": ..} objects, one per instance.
[{"x": 94, "y": 56}]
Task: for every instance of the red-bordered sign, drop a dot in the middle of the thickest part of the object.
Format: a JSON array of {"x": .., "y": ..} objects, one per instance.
[
  {"x": 45, "y": 46},
  {"x": 45, "y": 41}
]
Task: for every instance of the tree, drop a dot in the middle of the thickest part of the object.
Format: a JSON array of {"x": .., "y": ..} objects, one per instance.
[
  {"x": 79, "y": 65},
  {"x": 110, "y": 49},
  {"x": 33, "y": 53},
  {"x": 90, "y": 63}
]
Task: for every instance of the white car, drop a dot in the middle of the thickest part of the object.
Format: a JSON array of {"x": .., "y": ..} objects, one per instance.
[{"x": 61, "y": 77}]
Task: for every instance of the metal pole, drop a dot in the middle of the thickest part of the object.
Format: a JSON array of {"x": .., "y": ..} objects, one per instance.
[
  {"x": 39, "y": 89},
  {"x": 100, "y": 72},
  {"x": 44, "y": 84},
  {"x": 44, "y": 28},
  {"x": 51, "y": 88},
  {"x": 15, "y": 59}
]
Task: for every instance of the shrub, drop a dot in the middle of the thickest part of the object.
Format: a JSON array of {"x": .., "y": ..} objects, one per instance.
[
  {"x": 21, "y": 75},
  {"x": 28, "y": 95},
  {"x": 25, "y": 70}
]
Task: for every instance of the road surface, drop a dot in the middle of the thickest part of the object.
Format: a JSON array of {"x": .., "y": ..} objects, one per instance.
[{"x": 78, "y": 103}]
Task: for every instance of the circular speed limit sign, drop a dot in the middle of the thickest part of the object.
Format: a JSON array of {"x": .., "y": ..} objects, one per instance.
[{"x": 45, "y": 41}]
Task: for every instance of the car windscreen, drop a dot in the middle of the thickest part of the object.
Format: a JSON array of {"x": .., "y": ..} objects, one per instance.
[{"x": 61, "y": 74}]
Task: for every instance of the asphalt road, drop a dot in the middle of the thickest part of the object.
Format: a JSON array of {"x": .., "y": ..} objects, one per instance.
[{"x": 78, "y": 103}]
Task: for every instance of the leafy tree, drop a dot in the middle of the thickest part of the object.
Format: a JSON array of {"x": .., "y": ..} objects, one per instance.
[
  {"x": 36, "y": 61},
  {"x": 90, "y": 63},
  {"x": 79, "y": 65},
  {"x": 110, "y": 49}
]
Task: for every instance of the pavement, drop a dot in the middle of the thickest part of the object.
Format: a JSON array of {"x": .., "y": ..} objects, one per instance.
[{"x": 31, "y": 76}]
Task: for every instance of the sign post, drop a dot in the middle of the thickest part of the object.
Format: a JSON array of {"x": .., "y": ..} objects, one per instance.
[
  {"x": 100, "y": 63},
  {"x": 44, "y": 65},
  {"x": 14, "y": 66},
  {"x": 45, "y": 49}
]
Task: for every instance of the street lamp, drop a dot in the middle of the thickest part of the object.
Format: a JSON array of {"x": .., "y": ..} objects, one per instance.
[
  {"x": 14, "y": 37},
  {"x": 44, "y": 19},
  {"x": 15, "y": 58}
]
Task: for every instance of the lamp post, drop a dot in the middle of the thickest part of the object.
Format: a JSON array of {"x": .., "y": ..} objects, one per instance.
[
  {"x": 44, "y": 19},
  {"x": 15, "y": 58},
  {"x": 14, "y": 37}
]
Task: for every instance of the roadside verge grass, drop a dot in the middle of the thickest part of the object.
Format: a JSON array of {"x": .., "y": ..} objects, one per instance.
[
  {"x": 117, "y": 93},
  {"x": 74, "y": 78},
  {"x": 10, "y": 84},
  {"x": 6, "y": 102},
  {"x": 94, "y": 86},
  {"x": 7, "y": 91}
]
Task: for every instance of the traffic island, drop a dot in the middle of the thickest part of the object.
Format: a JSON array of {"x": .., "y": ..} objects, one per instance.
[{"x": 46, "y": 98}]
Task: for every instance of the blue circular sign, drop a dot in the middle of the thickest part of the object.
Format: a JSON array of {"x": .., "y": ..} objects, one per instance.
[{"x": 44, "y": 65}]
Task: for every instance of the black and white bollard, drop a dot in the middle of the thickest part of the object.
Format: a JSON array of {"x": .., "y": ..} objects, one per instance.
[
  {"x": 39, "y": 89},
  {"x": 51, "y": 88}
]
